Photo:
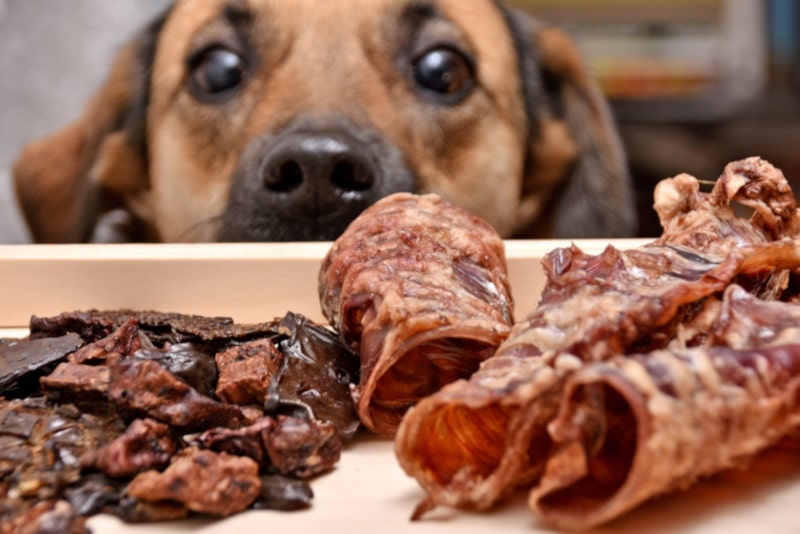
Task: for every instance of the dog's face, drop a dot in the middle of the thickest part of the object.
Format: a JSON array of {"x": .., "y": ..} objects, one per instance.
[{"x": 271, "y": 120}]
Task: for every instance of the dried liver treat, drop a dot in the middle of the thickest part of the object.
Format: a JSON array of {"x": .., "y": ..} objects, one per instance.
[
  {"x": 418, "y": 287},
  {"x": 316, "y": 377},
  {"x": 136, "y": 384},
  {"x": 476, "y": 441},
  {"x": 203, "y": 481},
  {"x": 285, "y": 445},
  {"x": 145, "y": 444},
  {"x": 23, "y": 361}
]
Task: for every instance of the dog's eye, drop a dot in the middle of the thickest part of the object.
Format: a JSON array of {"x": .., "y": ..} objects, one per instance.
[
  {"x": 217, "y": 71},
  {"x": 444, "y": 71}
]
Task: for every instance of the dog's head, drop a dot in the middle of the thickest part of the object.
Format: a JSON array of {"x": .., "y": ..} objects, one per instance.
[{"x": 272, "y": 120}]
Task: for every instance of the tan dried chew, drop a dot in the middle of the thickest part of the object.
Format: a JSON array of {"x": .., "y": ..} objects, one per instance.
[
  {"x": 204, "y": 481},
  {"x": 477, "y": 440},
  {"x": 418, "y": 287},
  {"x": 640, "y": 426}
]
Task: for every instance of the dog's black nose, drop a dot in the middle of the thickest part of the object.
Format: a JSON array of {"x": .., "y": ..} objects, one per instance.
[
  {"x": 315, "y": 172},
  {"x": 309, "y": 180}
]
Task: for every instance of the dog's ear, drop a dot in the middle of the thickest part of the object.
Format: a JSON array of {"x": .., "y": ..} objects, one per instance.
[
  {"x": 66, "y": 181},
  {"x": 576, "y": 171}
]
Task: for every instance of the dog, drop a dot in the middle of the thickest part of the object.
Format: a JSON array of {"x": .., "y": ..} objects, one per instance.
[{"x": 267, "y": 120}]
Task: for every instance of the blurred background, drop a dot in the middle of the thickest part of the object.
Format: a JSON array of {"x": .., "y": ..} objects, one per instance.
[{"x": 693, "y": 84}]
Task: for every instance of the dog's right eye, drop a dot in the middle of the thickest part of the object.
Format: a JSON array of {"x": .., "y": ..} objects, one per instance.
[{"x": 216, "y": 73}]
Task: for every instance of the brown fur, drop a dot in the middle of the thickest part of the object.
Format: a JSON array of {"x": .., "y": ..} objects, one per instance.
[{"x": 534, "y": 160}]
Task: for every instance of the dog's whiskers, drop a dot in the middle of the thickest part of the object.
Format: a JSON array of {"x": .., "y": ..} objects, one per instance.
[{"x": 195, "y": 232}]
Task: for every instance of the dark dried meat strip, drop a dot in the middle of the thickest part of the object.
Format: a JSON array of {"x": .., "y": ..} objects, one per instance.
[
  {"x": 418, "y": 287},
  {"x": 639, "y": 426},
  {"x": 161, "y": 327},
  {"x": 202, "y": 481},
  {"x": 23, "y": 361}
]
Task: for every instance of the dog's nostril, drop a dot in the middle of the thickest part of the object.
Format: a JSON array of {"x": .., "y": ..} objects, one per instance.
[
  {"x": 349, "y": 176},
  {"x": 284, "y": 177}
]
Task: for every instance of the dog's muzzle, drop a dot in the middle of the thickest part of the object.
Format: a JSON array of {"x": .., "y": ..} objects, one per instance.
[{"x": 307, "y": 183}]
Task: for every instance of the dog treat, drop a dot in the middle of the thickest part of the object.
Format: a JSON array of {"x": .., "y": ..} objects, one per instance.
[
  {"x": 126, "y": 388},
  {"x": 418, "y": 287},
  {"x": 286, "y": 445},
  {"x": 145, "y": 444},
  {"x": 25, "y": 360},
  {"x": 32, "y": 480},
  {"x": 477, "y": 440},
  {"x": 639, "y": 426},
  {"x": 202, "y": 481}
]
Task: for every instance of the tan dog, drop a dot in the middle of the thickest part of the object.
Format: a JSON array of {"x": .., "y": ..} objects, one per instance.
[{"x": 274, "y": 120}]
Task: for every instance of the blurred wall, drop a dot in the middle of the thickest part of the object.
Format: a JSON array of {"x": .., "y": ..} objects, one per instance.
[{"x": 53, "y": 55}]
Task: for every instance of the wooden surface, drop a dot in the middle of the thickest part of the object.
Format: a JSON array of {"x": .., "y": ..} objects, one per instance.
[
  {"x": 249, "y": 282},
  {"x": 367, "y": 492}
]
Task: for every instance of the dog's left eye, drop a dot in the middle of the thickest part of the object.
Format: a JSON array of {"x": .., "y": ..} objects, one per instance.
[
  {"x": 445, "y": 72},
  {"x": 216, "y": 72}
]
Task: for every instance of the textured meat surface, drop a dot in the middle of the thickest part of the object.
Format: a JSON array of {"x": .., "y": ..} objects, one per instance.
[
  {"x": 205, "y": 481},
  {"x": 137, "y": 390},
  {"x": 418, "y": 287},
  {"x": 145, "y": 444},
  {"x": 285, "y": 445},
  {"x": 639, "y": 426},
  {"x": 40, "y": 450},
  {"x": 476, "y": 441}
]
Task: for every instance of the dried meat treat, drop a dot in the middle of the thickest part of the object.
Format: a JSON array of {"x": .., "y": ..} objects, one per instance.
[
  {"x": 94, "y": 493},
  {"x": 316, "y": 376},
  {"x": 23, "y": 361},
  {"x": 160, "y": 327},
  {"x": 476, "y": 441},
  {"x": 40, "y": 447},
  {"x": 83, "y": 385},
  {"x": 144, "y": 387},
  {"x": 638, "y": 426},
  {"x": 203, "y": 481},
  {"x": 121, "y": 343},
  {"x": 145, "y": 445},
  {"x": 187, "y": 361},
  {"x": 285, "y": 445},
  {"x": 283, "y": 493},
  {"x": 47, "y": 517},
  {"x": 744, "y": 321},
  {"x": 246, "y": 371},
  {"x": 132, "y": 510},
  {"x": 302, "y": 449},
  {"x": 418, "y": 287}
]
